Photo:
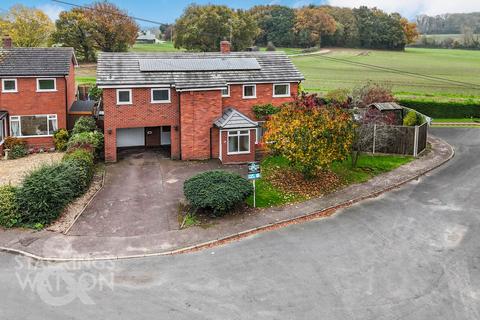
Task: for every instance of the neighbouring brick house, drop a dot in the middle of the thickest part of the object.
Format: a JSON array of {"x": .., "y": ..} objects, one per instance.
[
  {"x": 198, "y": 105},
  {"x": 37, "y": 88}
]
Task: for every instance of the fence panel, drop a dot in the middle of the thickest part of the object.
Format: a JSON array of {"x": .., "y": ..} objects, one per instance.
[{"x": 422, "y": 137}]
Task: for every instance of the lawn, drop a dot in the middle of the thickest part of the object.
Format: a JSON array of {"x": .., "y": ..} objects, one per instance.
[
  {"x": 154, "y": 47},
  {"x": 461, "y": 65},
  {"x": 368, "y": 166}
]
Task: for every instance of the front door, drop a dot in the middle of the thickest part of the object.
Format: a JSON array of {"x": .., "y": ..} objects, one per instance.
[
  {"x": 166, "y": 138},
  {"x": 152, "y": 136}
]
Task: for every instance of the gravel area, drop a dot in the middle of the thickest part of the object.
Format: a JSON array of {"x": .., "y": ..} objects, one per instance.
[{"x": 13, "y": 171}]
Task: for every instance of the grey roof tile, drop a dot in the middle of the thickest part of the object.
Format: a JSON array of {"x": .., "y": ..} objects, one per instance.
[
  {"x": 123, "y": 69},
  {"x": 35, "y": 61}
]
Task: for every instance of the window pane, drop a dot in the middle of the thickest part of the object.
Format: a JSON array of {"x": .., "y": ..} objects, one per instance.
[
  {"x": 15, "y": 128},
  {"x": 248, "y": 91},
  {"x": 260, "y": 132},
  {"x": 281, "y": 90},
  {"x": 9, "y": 85},
  {"x": 124, "y": 96},
  {"x": 46, "y": 84},
  {"x": 34, "y": 125},
  {"x": 53, "y": 126},
  {"x": 243, "y": 132},
  {"x": 244, "y": 141},
  {"x": 2, "y": 130},
  {"x": 160, "y": 95},
  {"x": 225, "y": 92},
  {"x": 232, "y": 144}
]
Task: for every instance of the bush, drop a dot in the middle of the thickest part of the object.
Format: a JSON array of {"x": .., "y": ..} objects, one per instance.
[
  {"x": 9, "y": 214},
  {"x": 47, "y": 191},
  {"x": 216, "y": 191},
  {"x": 87, "y": 140},
  {"x": 18, "y": 151},
  {"x": 84, "y": 124},
  {"x": 410, "y": 119},
  {"x": 262, "y": 111},
  {"x": 60, "y": 138},
  {"x": 434, "y": 109},
  {"x": 83, "y": 157},
  {"x": 95, "y": 93},
  {"x": 270, "y": 46},
  {"x": 10, "y": 142}
]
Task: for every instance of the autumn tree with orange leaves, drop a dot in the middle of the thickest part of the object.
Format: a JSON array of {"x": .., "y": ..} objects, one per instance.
[
  {"x": 314, "y": 22},
  {"x": 410, "y": 30},
  {"x": 310, "y": 134}
]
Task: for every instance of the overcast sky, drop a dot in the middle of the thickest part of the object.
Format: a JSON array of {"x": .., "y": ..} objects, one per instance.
[{"x": 168, "y": 11}]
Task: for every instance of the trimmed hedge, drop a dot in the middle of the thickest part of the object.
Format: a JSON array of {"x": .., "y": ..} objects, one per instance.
[
  {"x": 216, "y": 191},
  {"x": 83, "y": 157},
  {"x": 87, "y": 140},
  {"x": 9, "y": 215},
  {"x": 435, "y": 109},
  {"x": 84, "y": 124}
]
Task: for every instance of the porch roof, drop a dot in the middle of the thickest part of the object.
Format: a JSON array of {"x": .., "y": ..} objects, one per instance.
[{"x": 234, "y": 119}]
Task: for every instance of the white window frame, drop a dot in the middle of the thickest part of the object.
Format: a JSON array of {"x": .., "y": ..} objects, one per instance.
[
  {"x": 9, "y": 91},
  {"x": 236, "y": 133},
  {"x": 228, "y": 92},
  {"x": 260, "y": 127},
  {"x": 124, "y": 102},
  {"x": 4, "y": 132},
  {"x": 47, "y": 90},
  {"x": 18, "y": 119},
  {"x": 281, "y": 95},
  {"x": 254, "y": 91},
  {"x": 160, "y": 101}
]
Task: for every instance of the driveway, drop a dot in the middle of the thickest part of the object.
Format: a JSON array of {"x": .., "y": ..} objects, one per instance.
[
  {"x": 141, "y": 195},
  {"x": 410, "y": 254}
]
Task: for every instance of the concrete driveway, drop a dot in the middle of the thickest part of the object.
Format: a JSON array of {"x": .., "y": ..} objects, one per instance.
[{"x": 141, "y": 195}]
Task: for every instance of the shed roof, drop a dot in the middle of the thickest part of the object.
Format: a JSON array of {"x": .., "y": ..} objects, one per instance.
[
  {"x": 234, "y": 119},
  {"x": 116, "y": 69},
  {"x": 36, "y": 61},
  {"x": 82, "y": 106},
  {"x": 384, "y": 106}
]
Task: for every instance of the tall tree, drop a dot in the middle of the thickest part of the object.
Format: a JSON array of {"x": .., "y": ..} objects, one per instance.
[
  {"x": 28, "y": 27},
  {"x": 346, "y": 34},
  {"x": 410, "y": 30},
  {"x": 111, "y": 28},
  {"x": 316, "y": 22},
  {"x": 276, "y": 24},
  {"x": 202, "y": 28},
  {"x": 73, "y": 30}
]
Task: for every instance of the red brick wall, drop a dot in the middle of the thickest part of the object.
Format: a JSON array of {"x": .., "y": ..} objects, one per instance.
[
  {"x": 141, "y": 113},
  {"x": 238, "y": 158},
  {"x": 264, "y": 96},
  {"x": 71, "y": 87},
  {"x": 199, "y": 109},
  {"x": 27, "y": 101}
]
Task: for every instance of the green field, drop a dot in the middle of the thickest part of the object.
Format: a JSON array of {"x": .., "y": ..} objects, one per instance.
[{"x": 461, "y": 65}]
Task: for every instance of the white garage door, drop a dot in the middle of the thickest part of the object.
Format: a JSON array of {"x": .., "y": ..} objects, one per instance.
[{"x": 131, "y": 137}]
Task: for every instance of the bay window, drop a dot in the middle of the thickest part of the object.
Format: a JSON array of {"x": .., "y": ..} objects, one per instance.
[
  {"x": 238, "y": 141},
  {"x": 31, "y": 126}
]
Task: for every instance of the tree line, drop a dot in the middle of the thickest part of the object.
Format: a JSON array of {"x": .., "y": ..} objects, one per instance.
[
  {"x": 202, "y": 27},
  {"x": 450, "y": 23}
]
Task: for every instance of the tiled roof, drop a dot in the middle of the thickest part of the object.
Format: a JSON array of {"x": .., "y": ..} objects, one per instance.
[
  {"x": 234, "y": 119},
  {"x": 82, "y": 106},
  {"x": 35, "y": 61},
  {"x": 383, "y": 106},
  {"x": 124, "y": 69}
]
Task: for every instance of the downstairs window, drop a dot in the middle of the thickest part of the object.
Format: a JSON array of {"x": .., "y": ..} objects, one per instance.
[{"x": 31, "y": 126}]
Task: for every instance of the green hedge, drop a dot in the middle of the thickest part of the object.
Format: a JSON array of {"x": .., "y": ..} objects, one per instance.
[
  {"x": 9, "y": 215},
  {"x": 216, "y": 191},
  {"x": 435, "y": 109}
]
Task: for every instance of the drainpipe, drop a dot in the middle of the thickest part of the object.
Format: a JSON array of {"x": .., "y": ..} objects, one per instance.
[
  {"x": 66, "y": 102},
  {"x": 179, "y": 126}
]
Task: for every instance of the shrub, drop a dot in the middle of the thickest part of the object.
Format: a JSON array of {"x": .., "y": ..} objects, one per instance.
[
  {"x": 87, "y": 140},
  {"x": 18, "y": 151},
  {"x": 371, "y": 92},
  {"x": 95, "y": 93},
  {"x": 410, "y": 119},
  {"x": 84, "y": 124},
  {"x": 60, "y": 138},
  {"x": 216, "y": 191},
  {"x": 83, "y": 157},
  {"x": 10, "y": 142},
  {"x": 9, "y": 214},
  {"x": 270, "y": 46},
  {"x": 262, "y": 111}
]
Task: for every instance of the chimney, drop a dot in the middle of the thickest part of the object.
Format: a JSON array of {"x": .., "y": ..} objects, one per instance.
[
  {"x": 7, "y": 42},
  {"x": 225, "y": 46}
]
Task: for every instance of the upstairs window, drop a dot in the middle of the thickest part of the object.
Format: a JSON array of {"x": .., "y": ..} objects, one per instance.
[
  {"x": 9, "y": 85},
  {"x": 249, "y": 91},
  {"x": 160, "y": 95},
  {"x": 226, "y": 92},
  {"x": 281, "y": 90},
  {"x": 46, "y": 85},
  {"x": 124, "y": 96}
]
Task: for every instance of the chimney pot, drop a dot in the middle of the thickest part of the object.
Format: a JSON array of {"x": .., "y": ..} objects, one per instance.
[
  {"x": 225, "y": 46},
  {"x": 7, "y": 42}
]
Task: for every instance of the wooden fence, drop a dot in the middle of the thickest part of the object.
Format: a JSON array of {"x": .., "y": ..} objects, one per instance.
[{"x": 397, "y": 139}]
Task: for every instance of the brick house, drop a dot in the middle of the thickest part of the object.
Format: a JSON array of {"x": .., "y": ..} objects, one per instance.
[
  {"x": 37, "y": 86},
  {"x": 198, "y": 105}
]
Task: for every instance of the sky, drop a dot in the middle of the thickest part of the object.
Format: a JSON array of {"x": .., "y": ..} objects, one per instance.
[{"x": 167, "y": 10}]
